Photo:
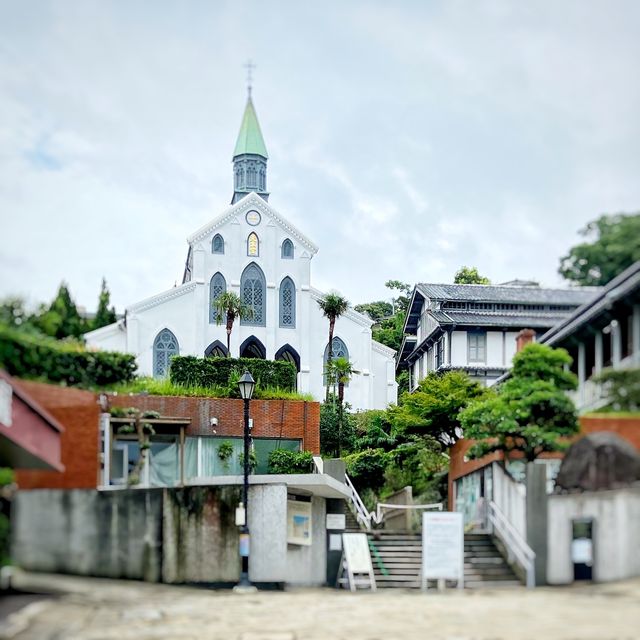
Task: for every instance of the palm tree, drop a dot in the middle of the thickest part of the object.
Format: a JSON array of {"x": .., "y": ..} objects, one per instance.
[
  {"x": 333, "y": 305},
  {"x": 230, "y": 306},
  {"x": 341, "y": 371}
]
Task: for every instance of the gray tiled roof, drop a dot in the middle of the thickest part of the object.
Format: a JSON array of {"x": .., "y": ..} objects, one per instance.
[
  {"x": 543, "y": 320},
  {"x": 490, "y": 293}
]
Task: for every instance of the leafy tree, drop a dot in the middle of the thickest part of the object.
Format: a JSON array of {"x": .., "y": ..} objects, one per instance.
[
  {"x": 13, "y": 312},
  {"x": 378, "y": 310},
  {"x": 614, "y": 245},
  {"x": 469, "y": 275},
  {"x": 531, "y": 412},
  {"x": 228, "y": 306},
  {"x": 433, "y": 409},
  {"x": 622, "y": 388},
  {"x": 61, "y": 319},
  {"x": 332, "y": 305},
  {"x": 340, "y": 370},
  {"x": 337, "y": 429},
  {"x": 366, "y": 468},
  {"x": 374, "y": 430},
  {"x": 104, "y": 315}
]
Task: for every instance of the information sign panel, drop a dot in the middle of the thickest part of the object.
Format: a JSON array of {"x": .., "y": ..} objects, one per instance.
[
  {"x": 356, "y": 551},
  {"x": 442, "y": 547},
  {"x": 298, "y": 522}
]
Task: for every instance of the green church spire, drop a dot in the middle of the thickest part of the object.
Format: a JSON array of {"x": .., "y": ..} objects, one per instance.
[{"x": 250, "y": 140}]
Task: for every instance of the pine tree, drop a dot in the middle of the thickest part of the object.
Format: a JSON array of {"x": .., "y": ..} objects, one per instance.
[{"x": 104, "y": 314}]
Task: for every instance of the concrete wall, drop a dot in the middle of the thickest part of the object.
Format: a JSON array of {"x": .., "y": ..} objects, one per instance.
[
  {"x": 170, "y": 535},
  {"x": 616, "y": 533}
]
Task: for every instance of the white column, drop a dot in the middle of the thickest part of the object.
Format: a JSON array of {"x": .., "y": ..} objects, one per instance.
[
  {"x": 616, "y": 344},
  {"x": 581, "y": 373},
  {"x": 598, "y": 352},
  {"x": 447, "y": 349},
  {"x": 635, "y": 332}
]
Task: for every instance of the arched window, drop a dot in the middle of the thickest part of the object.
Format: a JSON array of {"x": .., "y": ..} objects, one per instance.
[
  {"x": 287, "y": 250},
  {"x": 253, "y": 245},
  {"x": 164, "y": 346},
  {"x": 287, "y": 303},
  {"x": 288, "y": 354},
  {"x": 215, "y": 350},
  {"x": 338, "y": 350},
  {"x": 253, "y": 294},
  {"x": 217, "y": 287},
  {"x": 253, "y": 348},
  {"x": 217, "y": 244}
]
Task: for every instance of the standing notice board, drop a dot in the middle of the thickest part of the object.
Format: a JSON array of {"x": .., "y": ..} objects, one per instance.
[{"x": 442, "y": 547}]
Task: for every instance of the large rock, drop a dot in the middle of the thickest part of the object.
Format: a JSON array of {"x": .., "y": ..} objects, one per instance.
[{"x": 600, "y": 460}]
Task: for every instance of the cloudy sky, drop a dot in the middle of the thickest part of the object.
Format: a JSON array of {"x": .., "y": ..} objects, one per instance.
[{"x": 406, "y": 139}]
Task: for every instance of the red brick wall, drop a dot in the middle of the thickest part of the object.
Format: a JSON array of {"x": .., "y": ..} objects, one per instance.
[
  {"x": 294, "y": 419},
  {"x": 79, "y": 414}
]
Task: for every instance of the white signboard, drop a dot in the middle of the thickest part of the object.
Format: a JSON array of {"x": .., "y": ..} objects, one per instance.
[
  {"x": 356, "y": 552},
  {"x": 298, "y": 522},
  {"x": 582, "y": 551},
  {"x": 336, "y": 521},
  {"x": 442, "y": 547},
  {"x": 6, "y": 397}
]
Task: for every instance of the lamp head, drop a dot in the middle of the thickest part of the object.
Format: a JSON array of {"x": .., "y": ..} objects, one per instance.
[{"x": 246, "y": 385}]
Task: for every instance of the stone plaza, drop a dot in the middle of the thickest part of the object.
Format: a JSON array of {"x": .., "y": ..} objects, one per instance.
[{"x": 99, "y": 609}]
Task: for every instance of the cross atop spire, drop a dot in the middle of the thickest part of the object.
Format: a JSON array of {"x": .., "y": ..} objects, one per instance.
[{"x": 249, "y": 66}]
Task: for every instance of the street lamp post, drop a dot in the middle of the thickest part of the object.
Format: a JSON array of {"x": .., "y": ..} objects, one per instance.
[{"x": 246, "y": 385}]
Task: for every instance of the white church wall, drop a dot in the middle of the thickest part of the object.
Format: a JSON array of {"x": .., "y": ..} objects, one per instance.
[{"x": 113, "y": 337}]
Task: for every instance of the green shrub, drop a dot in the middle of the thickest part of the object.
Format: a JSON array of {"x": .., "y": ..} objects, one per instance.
[
  {"x": 225, "y": 451},
  {"x": 622, "y": 388},
  {"x": 30, "y": 356},
  {"x": 285, "y": 462},
  {"x": 366, "y": 468},
  {"x": 222, "y": 372}
]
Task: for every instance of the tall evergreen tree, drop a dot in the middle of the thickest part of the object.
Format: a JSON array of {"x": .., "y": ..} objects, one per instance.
[
  {"x": 61, "y": 319},
  {"x": 104, "y": 314}
]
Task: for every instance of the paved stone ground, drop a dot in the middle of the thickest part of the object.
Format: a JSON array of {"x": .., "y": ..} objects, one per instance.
[{"x": 93, "y": 609}]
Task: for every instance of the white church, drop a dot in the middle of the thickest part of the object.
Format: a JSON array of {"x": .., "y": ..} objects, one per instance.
[{"x": 251, "y": 250}]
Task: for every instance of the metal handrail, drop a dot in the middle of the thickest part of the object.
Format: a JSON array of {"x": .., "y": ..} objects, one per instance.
[
  {"x": 362, "y": 513},
  {"x": 516, "y": 545}
]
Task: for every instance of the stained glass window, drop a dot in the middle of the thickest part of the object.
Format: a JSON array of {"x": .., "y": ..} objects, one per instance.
[
  {"x": 287, "y": 303},
  {"x": 217, "y": 286},
  {"x": 253, "y": 244},
  {"x": 217, "y": 244},
  {"x": 287, "y": 250},
  {"x": 164, "y": 346},
  {"x": 252, "y": 292},
  {"x": 338, "y": 350}
]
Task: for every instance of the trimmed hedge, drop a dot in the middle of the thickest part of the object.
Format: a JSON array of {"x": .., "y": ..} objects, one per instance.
[
  {"x": 31, "y": 356},
  {"x": 225, "y": 372},
  {"x": 282, "y": 461}
]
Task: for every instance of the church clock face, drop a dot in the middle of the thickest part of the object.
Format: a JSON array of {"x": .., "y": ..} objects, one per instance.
[{"x": 253, "y": 218}]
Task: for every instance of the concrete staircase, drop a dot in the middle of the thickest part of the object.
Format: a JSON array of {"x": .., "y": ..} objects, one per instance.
[{"x": 397, "y": 559}]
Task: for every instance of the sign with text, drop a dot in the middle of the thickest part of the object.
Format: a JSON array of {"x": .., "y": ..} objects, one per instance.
[
  {"x": 356, "y": 551},
  {"x": 336, "y": 521},
  {"x": 298, "y": 522},
  {"x": 442, "y": 547}
]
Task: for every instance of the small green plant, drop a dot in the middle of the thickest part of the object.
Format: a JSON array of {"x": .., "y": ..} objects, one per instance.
[
  {"x": 253, "y": 460},
  {"x": 282, "y": 461},
  {"x": 225, "y": 451}
]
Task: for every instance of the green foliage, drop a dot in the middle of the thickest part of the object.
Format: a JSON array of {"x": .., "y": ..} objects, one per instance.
[
  {"x": 104, "y": 315},
  {"x": 253, "y": 460},
  {"x": 377, "y": 310},
  {"x": 469, "y": 275},
  {"x": 221, "y": 372},
  {"x": 614, "y": 246},
  {"x": 225, "y": 451},
  {"x": 374, "y": 430},
  {"x": 530, "y": 413},
  {"x": 366, "y": 468},
  {"x": 13, "y": 313},
  {"x": 334, "y": 438},
  {"x": 433, "y": 409},
  {"x": 28, "y": 356},
  {"x": 7, "y": 477},
  {"x": 61, "y": 319},
  {"x": 416, "y": 463},
  {"x": 282, "y": 461},
  {"x": 622, "y": 388}
]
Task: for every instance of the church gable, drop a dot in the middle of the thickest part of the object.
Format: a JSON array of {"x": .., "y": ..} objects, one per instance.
[{"x": 253, "y": 210}]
